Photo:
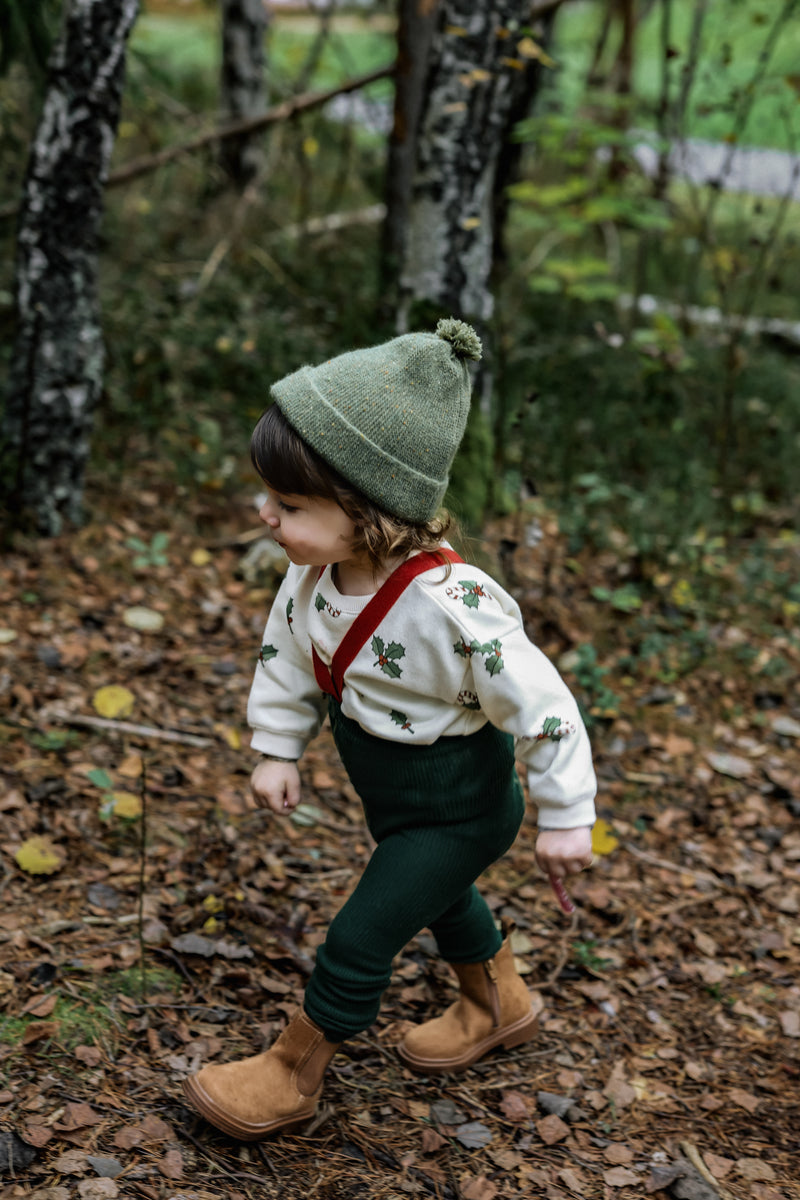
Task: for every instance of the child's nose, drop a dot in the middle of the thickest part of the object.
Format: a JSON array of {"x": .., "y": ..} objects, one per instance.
[{"x": 268, "y": 515}]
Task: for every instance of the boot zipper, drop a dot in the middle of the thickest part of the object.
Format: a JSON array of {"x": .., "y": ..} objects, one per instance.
[{"x": 494, "y": 995}]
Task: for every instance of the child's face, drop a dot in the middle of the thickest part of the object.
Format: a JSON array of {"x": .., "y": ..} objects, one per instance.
[{"x": 314, "y": 532}]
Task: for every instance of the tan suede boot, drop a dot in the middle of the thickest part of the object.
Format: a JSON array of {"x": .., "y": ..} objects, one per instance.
[
  {"x": 494, "y": 1009},
  {"x": 258, "y": 1096}
]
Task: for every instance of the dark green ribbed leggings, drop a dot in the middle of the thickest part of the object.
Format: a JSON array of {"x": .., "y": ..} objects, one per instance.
[{"x": 440, "y": 815}]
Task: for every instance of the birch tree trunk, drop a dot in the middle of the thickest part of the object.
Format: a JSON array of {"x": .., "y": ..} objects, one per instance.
[
  {"x": 481, "y": 64},
  {"x": 242, "y": 84},
  {"x": 56, "y": 370}
]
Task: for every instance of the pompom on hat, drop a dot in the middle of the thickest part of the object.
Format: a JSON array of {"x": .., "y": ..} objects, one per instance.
[{"x": 389, "y": 418}]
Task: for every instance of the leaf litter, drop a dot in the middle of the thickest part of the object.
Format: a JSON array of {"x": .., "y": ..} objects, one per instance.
[{"x": 668, "y": 1003}]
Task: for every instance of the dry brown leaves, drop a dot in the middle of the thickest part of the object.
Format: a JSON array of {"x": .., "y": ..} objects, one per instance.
[{"x": 669, "y": 1005}]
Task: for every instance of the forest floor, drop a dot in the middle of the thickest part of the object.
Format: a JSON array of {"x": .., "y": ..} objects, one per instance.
[{"x": 669, "y": 1004}]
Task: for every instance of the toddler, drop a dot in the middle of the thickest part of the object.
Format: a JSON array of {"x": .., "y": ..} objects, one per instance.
[{"x": 432, "y": 689}]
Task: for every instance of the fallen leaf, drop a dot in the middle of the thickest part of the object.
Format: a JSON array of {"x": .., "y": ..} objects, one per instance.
[
  {"x": 432, "y": 1141},
  {"x": 155, "y": 1129},
  {"x": 744, "y": 1099},
  {"x": 36, "y": 1135},
  {"x": 131, "y": 766},
  {"x": 77, "y": 1115},
  {"x": 113, "y": 701},
  {"x": 790, "y": 1023},
  {"x": 105, "y": 1167},
  {"x": 718, "y": 1166},
  {"x": 620, "y": 1177},
  {"x": 128, "y": 1137},
  {"x": 552, "y": 1129},
  {"x": 603, "y": 839},
  {"x": 38, "y": 1032},
  {"x": 171, "y": 1165},
  {"x": 513, "y": 1107},
  {"x": 473, "y": 1135},
  {"x": 479, "y": 1188},
  {"x": 618, "y": 1089},
  {"x": 618, "y": 1154},
  {"x": 755, "y": 1169},
  {"x": 125, "y": 804},
  {"x": 40, "y": 1006},
  {"x": 39, "y": 856},
  {"x": 574, "y": 1180},
  {"x": 71, "y": 1162},
  {"x": 98, "y": 1189}
]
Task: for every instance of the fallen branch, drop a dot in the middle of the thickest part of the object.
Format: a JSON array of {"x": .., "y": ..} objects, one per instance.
[
  {"x": 282, "y": 112},
  {"x": 146, "y": 731}
]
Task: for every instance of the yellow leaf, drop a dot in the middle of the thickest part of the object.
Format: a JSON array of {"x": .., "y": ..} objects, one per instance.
[
  {"x": 200, "y": 557},
  {"x": 231, "y": 736},
  {"x": 126, "y": 804},
  {"x": 212, "y": 925},
  {"x": 212, "y": 904},
  {"x": 682, "y": 593},
  {"x": 603, "y": 840},
  {"x": 38, "y": 856},
  {"x": 113, "y": 701},
  {"x": 528, "y": 48},
  {"x": 310, "y": 147}
]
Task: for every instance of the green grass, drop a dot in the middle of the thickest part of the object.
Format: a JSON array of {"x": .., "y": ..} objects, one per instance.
[
  {"x": 187, "y": 46},
  {"x": 735, "y": 32},
  {"x": 91, "y": 1018}
]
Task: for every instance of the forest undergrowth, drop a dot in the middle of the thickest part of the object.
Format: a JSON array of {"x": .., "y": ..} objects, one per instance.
[{"x": 153, "y": 920}]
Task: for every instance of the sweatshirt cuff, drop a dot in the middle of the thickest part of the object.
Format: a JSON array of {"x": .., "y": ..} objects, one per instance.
[
  {"x": 282, "y": 745},
  {"x": 577, "y": 814}
]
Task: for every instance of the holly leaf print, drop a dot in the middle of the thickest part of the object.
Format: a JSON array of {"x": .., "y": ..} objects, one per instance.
[
  {"x": 320, "y": 602},
  {"x": 494, "y": 656},
  {"x": 386, "y": 656},
  {"x": 401, "y": 719},
  {"x": 265, "y": 654},
  {"x": 473, "y": 592},
  {"x": 289, "y": 617},
  {"x": 465, "y": 650},
  {"x": 552, "y": 728}
]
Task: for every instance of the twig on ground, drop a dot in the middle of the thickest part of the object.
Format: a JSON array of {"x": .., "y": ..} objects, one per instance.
[{"x": 146, "y": 731}]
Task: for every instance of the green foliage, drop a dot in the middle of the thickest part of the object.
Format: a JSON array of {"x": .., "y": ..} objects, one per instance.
[
  {"x": 52, "y": 740},
  {"x": 26, "y": 33},
  {"x": 596, "y": 698},
  {"x": 149, "y": 555},
  {"x": 585, "y": 955}
]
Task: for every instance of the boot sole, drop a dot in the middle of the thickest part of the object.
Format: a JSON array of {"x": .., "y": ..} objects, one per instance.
[
  {"x": 245, "y": 1131},
  {"x": 512, "y": 1035}
]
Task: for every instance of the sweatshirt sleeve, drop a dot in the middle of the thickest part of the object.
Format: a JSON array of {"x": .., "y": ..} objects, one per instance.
[
  {"x": 520, "y": 691},
  {"x": 286, "y": 707}
]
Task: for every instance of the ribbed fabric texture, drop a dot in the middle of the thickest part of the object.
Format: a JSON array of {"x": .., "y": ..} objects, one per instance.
[
  {"x": 441, "y": 814},
  {"x": 388, "y": 418}
]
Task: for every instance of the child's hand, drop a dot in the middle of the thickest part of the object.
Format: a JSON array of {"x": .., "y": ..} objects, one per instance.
[
  {"x": 277, "y": 785},
  {"x": 563, "y": 852}
]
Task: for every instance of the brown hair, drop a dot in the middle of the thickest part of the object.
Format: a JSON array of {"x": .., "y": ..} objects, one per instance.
[{"x": 288, "y": 464}]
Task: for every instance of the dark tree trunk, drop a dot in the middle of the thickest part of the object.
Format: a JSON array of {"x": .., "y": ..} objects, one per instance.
[
  {"x": 57, "y": 363},
  {"x": 243, "y": 89},
  {"x": 477, "y": 83},
  {"x": 481, "y": 77},
  {"x": 416, "y": 21}
]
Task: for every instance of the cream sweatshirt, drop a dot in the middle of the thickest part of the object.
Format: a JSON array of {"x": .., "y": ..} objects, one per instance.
[{"x": 450, "y": 655}]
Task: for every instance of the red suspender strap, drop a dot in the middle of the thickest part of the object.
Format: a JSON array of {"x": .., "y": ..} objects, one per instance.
[{"x": 332, "y": 681}]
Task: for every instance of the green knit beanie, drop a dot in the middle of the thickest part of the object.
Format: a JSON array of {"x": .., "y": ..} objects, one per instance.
[{"x": 389, "y": 418}]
